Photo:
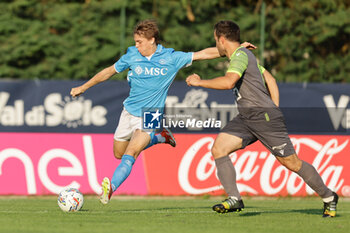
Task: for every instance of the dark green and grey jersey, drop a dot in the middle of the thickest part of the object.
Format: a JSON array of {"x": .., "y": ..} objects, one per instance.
[{"x": 250, "y": 91}]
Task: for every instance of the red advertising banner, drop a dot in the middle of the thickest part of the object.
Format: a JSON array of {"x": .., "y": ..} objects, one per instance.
[
  {"x": 44, "y": 163},
  {"x": 190, "y": 170}
]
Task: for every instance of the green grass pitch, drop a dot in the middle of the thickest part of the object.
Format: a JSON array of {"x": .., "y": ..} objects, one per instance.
[{"x": 167, "y": 214}]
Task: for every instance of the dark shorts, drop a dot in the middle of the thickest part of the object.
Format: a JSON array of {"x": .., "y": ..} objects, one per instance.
[{"x": 271, "y": 133}]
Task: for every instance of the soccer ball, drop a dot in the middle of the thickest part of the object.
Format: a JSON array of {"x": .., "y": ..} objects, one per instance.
[{"x": 70, "y": 200}]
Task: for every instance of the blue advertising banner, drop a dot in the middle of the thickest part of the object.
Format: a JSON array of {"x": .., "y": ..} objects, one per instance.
[{"x": 46, "y": 106}]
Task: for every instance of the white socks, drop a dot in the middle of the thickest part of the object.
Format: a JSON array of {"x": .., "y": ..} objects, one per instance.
[{"x": 328, "y": 199}]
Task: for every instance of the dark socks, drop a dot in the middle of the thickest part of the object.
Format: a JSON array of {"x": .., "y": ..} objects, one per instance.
[
  {"x": 314, "y": 180},
  {"x": 227, "y": 176}
]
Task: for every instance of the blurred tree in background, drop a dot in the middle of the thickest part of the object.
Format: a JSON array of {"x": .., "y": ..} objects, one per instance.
[{"x": 74, "y": 39}]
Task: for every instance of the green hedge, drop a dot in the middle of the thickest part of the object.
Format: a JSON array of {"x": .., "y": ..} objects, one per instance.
[{"x": 67, "y": 39}]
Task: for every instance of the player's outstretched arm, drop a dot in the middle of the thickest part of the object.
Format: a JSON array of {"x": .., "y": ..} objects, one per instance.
[
  {"x": 205, "y": 54},
  {"x": 272, "y": 87},
  {"x": 212, "y": 53},
  {"x": 220, "y": 83},
  {"x": 101, "y": 76}
]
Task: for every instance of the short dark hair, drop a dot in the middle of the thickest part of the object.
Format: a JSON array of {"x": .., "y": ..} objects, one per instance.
[
  {"x": 148, "y": 28},
  {"x": 228, "y": 29}
]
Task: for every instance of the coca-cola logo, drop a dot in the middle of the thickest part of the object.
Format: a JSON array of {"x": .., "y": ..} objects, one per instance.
[{"x": 259, "y": 173}]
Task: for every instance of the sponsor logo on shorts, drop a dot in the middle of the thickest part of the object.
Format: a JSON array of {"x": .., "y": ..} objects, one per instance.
[{"x": 280, "y": 148}]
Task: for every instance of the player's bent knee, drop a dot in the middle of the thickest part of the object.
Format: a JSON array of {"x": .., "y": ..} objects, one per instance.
[
  {"x": 218, "y": 152},
  {"x": 119, "y": 148},
  {"x": 118, "y": 155},
  {"x": 214, "y": 152},
  {"x": 118, "y": 152},
  {"x": 292, "y": 162}
]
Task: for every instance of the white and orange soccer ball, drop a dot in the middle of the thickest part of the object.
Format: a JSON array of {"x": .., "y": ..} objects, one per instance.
[{"x": 70, "y": 200}]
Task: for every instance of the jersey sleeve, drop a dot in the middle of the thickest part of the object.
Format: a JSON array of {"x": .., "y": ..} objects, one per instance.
[
  {"x": 182, "y": 59},
  {"x": 238, "y": 63},
  {"x": 123, "y": 63},
  {"x": 261, "y": 68}
]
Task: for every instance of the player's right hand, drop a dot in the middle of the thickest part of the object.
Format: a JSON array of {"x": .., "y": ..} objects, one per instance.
[
  {"x": 76, "y": 91},
  {"x": 248, "y": 45},
  {"x": 193, "y": 80}
]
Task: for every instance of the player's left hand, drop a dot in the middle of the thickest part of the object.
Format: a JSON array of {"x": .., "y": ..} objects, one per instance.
[
  {"x": 193, "y": 80},
  {"x": 248, "y": 45}
]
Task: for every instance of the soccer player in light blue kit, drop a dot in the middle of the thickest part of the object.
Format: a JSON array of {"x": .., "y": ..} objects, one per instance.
[{"x": 152, "y": 69}]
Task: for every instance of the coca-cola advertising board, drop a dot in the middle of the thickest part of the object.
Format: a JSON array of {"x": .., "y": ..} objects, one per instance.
[{"x": 190, "y": 169}]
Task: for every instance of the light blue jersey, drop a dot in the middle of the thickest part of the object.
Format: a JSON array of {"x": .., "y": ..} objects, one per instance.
[{"x": 150, "y": 79}]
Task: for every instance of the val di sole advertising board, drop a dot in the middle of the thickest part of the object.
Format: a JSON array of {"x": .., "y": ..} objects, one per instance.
[{"x": 49, "y": 140}]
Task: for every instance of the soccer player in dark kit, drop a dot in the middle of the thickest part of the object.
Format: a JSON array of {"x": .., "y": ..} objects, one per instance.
[{"x": 259, "y": 118}]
